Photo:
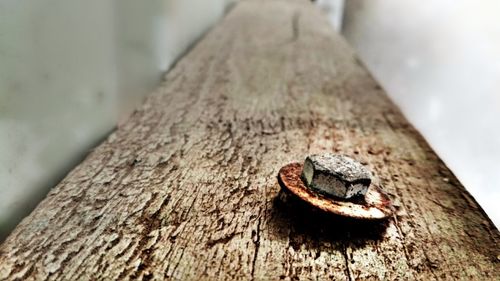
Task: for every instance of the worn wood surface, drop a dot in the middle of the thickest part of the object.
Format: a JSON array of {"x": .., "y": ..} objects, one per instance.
[{"x": 186, "y": 188}]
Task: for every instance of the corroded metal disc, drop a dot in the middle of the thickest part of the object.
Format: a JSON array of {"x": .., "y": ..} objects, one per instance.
[{"x": 376, "y": 204}]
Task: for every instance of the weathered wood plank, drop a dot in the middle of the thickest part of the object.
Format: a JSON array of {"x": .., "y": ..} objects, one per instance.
[{"x": 186, "y": 188}]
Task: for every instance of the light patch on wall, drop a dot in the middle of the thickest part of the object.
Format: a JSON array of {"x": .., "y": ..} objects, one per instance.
[{"x": 438, "y": 62}]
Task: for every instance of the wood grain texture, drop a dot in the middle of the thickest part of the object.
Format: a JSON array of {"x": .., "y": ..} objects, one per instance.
[{"x": 186, "y": 188}]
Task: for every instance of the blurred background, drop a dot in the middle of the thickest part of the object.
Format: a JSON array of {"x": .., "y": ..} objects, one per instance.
[
  {"x": 439, "y": 61},
  {"x": 71, "y": 70}
]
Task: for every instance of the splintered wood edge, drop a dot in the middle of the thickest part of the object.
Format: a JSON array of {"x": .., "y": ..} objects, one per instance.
[{"x": 377, "y": 203}]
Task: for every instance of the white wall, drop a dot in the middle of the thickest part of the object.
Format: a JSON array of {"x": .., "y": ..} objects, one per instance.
[
  {"x": 440, "y": 62},
  {"x": 69, "y": 70},
  {"x": 334, "y": 10}
]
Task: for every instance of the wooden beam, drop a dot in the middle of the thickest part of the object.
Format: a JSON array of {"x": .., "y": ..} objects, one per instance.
[{"x": 186, "y": 188}]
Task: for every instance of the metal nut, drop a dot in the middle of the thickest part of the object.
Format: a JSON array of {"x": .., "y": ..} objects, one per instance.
[{"x": 336, "y": 175}]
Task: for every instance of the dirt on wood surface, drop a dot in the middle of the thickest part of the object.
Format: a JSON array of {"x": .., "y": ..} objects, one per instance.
[{"x": 186, "y": 189}]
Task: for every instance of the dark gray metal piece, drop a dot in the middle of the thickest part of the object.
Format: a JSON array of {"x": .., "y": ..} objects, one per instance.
[{"x": 336, "y": 175}]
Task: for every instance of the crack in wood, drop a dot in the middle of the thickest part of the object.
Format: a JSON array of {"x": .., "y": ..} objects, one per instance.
[
  {"x": 295, "y": 26},
  {"x": 346, "y": 259},
  {"x": 256, "y": 241}
]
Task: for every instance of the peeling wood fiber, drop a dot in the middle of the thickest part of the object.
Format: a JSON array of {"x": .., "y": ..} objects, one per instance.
[{"x": 186, "y": 188}]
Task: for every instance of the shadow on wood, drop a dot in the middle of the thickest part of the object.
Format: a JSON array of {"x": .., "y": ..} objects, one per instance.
[{"x": 317, "y": 225}]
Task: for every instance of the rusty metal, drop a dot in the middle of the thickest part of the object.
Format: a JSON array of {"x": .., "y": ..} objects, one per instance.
[{"x": 375, "y": 205}]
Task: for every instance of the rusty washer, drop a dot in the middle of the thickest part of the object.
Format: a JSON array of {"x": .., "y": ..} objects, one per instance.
[{"x": 375, "y": 204}]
